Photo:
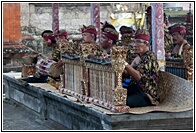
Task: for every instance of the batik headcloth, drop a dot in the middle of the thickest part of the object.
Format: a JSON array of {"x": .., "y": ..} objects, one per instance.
[
  {"x": 142, "y": 34},
  {"x": 109, "y": 31},
  {"x": 89, "y": 29}
]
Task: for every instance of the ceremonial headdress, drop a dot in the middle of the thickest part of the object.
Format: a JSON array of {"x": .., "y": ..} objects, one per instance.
[
  {"x": 177, "y": 28},
  {"x": 62, "y": 33},
  {"x": 46, "y": 33},
  {"x": 109, "y": 31},
  {"x": 142, "y": 34},
  {"x": 50, "y": 39},
  {"x": 48, "y": 36},
  {"x": 89, "y": 29},
  {"x": 126, "y": 30}
]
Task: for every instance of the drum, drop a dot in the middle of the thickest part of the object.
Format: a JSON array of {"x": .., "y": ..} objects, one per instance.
[
  {"x": 28, "y": 67},
  {"x": 47, "y": 67}
]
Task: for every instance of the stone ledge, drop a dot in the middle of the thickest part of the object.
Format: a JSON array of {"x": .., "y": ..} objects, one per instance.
[
  {"x": 78, "y": 116},
  {"x": 12, "y": 68}
]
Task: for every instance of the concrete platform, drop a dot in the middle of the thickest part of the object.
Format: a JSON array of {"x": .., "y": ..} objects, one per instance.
[
  {"x": 65, "y": 110},
  {"x": 17, "y": 117}
]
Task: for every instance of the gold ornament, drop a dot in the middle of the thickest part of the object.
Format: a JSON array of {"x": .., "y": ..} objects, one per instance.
[{"x": 118, "y": 59}]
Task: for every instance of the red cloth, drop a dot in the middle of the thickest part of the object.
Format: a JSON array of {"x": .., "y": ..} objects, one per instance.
[
  {"x": 143, "y": 37},
  {"x": 109, "y": 31},
  {"x": 178, "y": 29},
  {"x": 111, "y": 36},
  {"x": 89, "y": 30},
  {"x": 46, "y": 38},
  {"x": 65, "y": 34}
]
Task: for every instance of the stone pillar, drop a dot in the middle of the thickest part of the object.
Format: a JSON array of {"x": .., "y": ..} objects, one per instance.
[
  {"x": 11, "y": 23},
  {"x": 55, "y": 17},
  {"x": 13, "y": 49},
  {"x": 95, "y": 18},
  {"x": 158, "y": 34}
]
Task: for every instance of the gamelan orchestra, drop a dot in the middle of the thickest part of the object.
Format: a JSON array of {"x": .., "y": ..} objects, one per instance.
[{"x": 120, "y": 70}]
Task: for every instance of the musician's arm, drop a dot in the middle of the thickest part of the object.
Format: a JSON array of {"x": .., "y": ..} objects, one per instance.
[
  {"x": 57, "y": 57},
  {"x": 51, "y": 58}
]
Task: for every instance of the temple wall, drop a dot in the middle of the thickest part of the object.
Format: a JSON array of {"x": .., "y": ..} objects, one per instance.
[
  {"x": 36, "y": 18},
  {"x": 33, "y": 18}
]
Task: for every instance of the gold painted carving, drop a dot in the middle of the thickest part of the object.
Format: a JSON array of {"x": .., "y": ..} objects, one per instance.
[
  {"x": 118, "y": 59},
  {"x": 188, "y": 61}
]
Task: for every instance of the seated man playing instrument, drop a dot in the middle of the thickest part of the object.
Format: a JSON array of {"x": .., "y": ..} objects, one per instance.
[
  {"x": 142, "y": 89},
  {"x": 178, "y": 32},
  {"x": 41, "y": 75},
  {"x": 109, "y": 37},
  {"x": 89, "y": 34},
  {"x": 89, "y": 46},
  {"x": 127, "y": 37}
]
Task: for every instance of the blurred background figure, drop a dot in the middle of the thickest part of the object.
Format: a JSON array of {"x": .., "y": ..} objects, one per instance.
[
  {"x": 109, "y": 37},
  {"x": 178, "y": 32}
]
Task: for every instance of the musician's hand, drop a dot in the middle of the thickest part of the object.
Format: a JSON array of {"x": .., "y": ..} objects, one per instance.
[
  {"x": 59, "y": 64},
  {"x": 50, "y": 58},
  {"x": 39, "y": 57},
  {"x": 105, "y": 55},
  {"x": 125, "y": 74}
]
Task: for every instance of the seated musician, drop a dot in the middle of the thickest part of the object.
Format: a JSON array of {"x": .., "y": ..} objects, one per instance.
[
  {"x": 178, "y": 32},
  {"x": 109, "y": 37},
  {"x": 142, "y": 89},
  {"x": 60, "y": 37},
  {"x": 168, "y": 42},
  {"x": 89, "y": 34},
  {"x": 128, "y": 34},
  {"x": 50, "y": 41},
  {"x": 89, "y": 46}
]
